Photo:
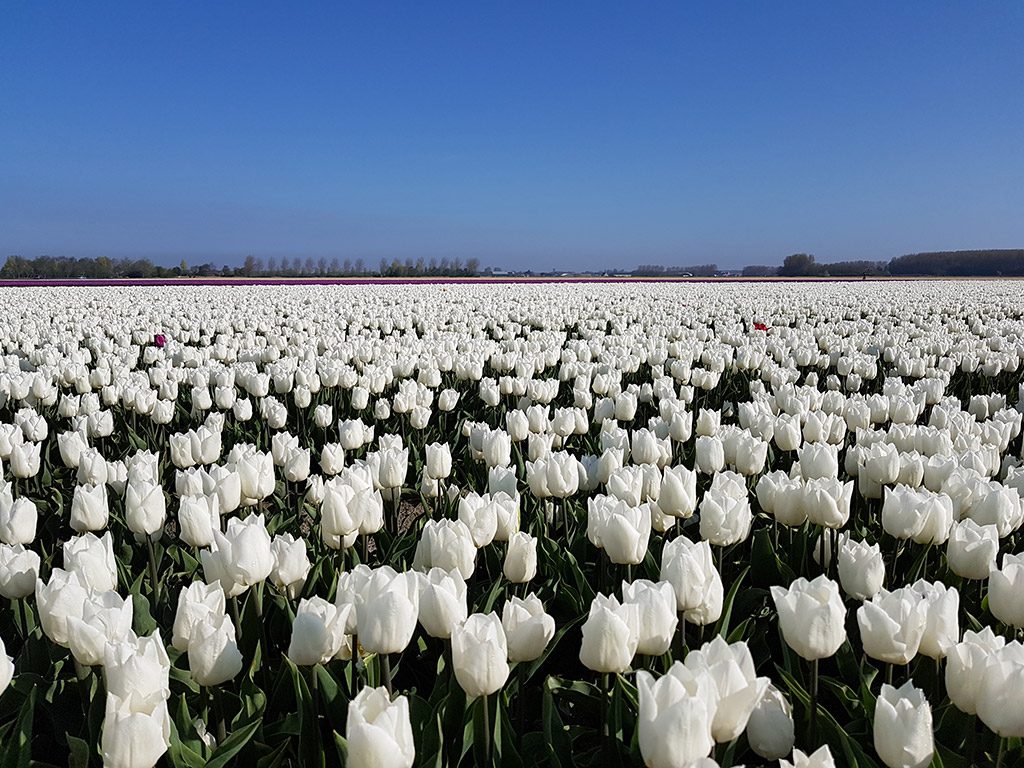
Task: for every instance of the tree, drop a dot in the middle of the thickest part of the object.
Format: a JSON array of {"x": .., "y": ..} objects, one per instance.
[{"x": 798, "y": 265}]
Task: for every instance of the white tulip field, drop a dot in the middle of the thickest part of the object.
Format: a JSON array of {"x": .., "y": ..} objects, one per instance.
[{"x": 642, "y": 524}]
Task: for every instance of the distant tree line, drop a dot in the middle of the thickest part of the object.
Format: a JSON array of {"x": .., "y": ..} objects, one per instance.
[
  {"x": 657, "y": 270},
  {"x": 989, "y": 263},
  {"x": 67, "y": 268}
]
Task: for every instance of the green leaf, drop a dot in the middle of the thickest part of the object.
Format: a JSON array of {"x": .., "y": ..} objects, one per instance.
[
  {"x": 17, "y": 751},
  {"x": 233, "y": 744},
  {"x": 79, "y": 757}
]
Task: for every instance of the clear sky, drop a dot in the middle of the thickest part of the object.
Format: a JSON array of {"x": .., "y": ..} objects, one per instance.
[{"x": 527, "y": 134}]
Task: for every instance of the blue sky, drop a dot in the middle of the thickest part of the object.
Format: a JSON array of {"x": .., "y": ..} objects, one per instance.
[{"x": 527, "y": 134}]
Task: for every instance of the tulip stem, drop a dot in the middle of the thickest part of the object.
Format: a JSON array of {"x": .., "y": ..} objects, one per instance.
[
  {"x": 385, "y": 671},
  {"x": 1002, "y": 753},
  {"x": 218, "y": 710},
  {"x": 487, "y": 729},
  {"x": 521, "y": 700},
  {"x": 153, "y": 573},
  {"x": 814, "y": 700}
]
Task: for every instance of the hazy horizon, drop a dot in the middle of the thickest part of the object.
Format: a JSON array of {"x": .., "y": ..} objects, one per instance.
[{"x": 526, "y": 137}]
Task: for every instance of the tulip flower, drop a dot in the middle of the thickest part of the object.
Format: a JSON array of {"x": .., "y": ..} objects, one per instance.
[
  {"x": 675, "y": 716},
  {"x": 689, "y": 566},
  {"x": 145, "y": 508},
  {"x": 291, "y": 564},
  {"x": 198, "y": 518},
  {"x": 379, "y": 731},
  {"x": 388, "y": 610},
  {"x": 480, "y": 517},
  {"x": 106, "y": 618},
  {"x": 442, "y": 602},
  {"x": 19, "y": 569},
  {"x": 1000, "y": 698},
  {"x": 972, "y": 549},
  {"x": 724, "y": 519},
  {"x": 137, "y": 668},
  {"x": 528, "y": 628},
  {"x": 892, "y": 625},
  {"x": 318, "y": 632},
  {"x": 678, "y": 493},
  {"x": 965, "y": 667},
  {"x": 903, "y": 727},
  {"x": 92, "y": 559},
  {"x": 770, "y": 729},
  {"x": 1005, "y": 587},
  {"x": 240, "y": 557},
  {"x": 942, "y": 622},
  {"x": 731, "y": 668},
  {"x": 197, "y": 603},
  {"x": 812, "y": 619},
  {"x": 658, "y": 620},
  {"x": 213, "y": 655},
  {"x": 480, "y": 655},
  {"x": 820, "y": 758},
  {"x": 861, "y": 568},
  {"x": 136, "y": 732},
  {"x": 446, "y": 544},
  {"x": 520, "y": 564},
  {"x": 438, "y": 460},
  {"x": 611, "y": 634},
  {"x": 18, "y": 521},
  {"x": 6, "y": 668},
  {"x": 89, "y": 510}
]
